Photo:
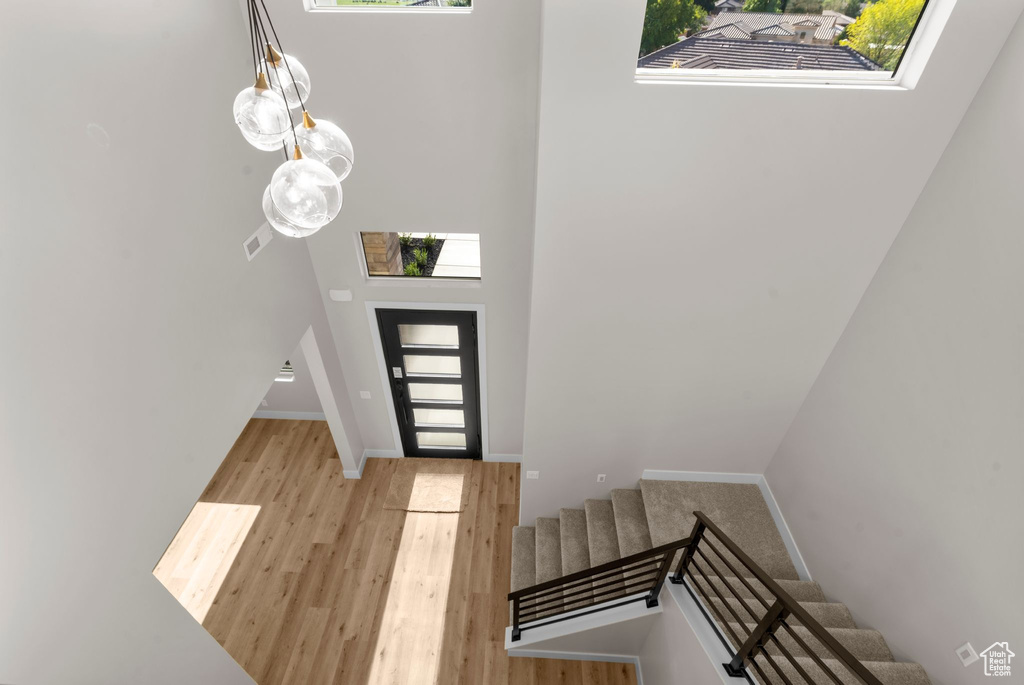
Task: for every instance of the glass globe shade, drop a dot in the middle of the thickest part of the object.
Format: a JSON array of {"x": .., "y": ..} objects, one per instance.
[
  {"x": 262, "y": 116},
  {"x": 326, "y": 143},
  {"x": 281, "y": 224},
  {"x": 281, "y": 72},
  {"x": 306, "y": 193}
]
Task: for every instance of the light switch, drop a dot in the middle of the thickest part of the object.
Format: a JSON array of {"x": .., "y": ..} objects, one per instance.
[
  {"x": 532, "y": 475},
  {"x": 365, "y": 394}
]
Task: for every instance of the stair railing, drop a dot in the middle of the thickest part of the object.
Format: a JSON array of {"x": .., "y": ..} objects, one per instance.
[
  {"x": 698, "y": 569},
  {"x": 630, "y": 579}
]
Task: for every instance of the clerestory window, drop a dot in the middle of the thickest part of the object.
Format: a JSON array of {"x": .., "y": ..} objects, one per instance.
[{"x": 803, "y": 40}]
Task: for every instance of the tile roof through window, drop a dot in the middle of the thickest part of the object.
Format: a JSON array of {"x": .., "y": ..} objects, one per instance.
[{"x": 718, "y": 53}]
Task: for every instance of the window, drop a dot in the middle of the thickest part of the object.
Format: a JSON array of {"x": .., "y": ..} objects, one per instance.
[
  {"x": 422, "y": 255},
  {"x": 778, "y": 37},
  {"x": 392, "y": 4}
]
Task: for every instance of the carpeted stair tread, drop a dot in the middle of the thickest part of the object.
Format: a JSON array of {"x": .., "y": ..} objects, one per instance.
[
  {"x": 659, "y": 512},
  {"x": 800, "y": 590},
  {"x": 549, "y": 550},
  {"x": 575, "y": 547},
  {"x": 575, "y": 550},
  {"x": 738, "y": 509},
  {"x": 888, "y": 672},
  {"x": 866, "y": 645},
  {"x": 828, "y": 614},
  {"x": 630, "y": 522},
  {"x": 524, "y": 557},
  {"x": 602, "y": 540}
]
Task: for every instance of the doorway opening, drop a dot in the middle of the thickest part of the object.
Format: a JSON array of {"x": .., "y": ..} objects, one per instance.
[{"x": 432, "y": 365}]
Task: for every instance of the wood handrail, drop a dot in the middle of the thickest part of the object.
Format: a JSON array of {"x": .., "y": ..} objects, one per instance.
[
  {"x": 791, "y": 605},
  {"x": 595, "y": 570}
]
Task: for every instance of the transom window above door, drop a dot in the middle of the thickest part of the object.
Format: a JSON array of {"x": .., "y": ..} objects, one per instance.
[{"x": 421, "y": 255}]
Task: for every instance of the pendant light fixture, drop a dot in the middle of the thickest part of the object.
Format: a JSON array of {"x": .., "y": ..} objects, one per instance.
[
  {"x": 304, "y": 193},
  {"x": 325, "y": 142}
]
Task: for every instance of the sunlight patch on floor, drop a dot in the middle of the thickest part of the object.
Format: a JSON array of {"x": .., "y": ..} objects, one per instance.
[
  {"x": 408, "y": 646},
  {"x": 438, "y": 492},
  {"x": 198, "y": 559}
]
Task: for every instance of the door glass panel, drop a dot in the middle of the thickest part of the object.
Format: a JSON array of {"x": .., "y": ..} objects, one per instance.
[
  {"x": 435, "y": 393},
  {"x": 448, "y": 418},
  {"x": 428, "y": 335},
  {"x": 446, "y": 441},
  {"x": 431, "y": 365}
]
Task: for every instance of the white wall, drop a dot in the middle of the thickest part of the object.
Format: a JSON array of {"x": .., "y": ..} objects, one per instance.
[
  {"x": 442, "y": 111},
  {"x": 699, "y": 249},
  {"x": 296, "y": 397},
  {"x": 672, "y": 654},
  {"x": 901, "y": 476},
  {"x": 138, "y": 338}
]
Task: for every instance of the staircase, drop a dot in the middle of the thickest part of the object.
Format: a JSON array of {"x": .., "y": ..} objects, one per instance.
[{"x": 734, "y": 600}]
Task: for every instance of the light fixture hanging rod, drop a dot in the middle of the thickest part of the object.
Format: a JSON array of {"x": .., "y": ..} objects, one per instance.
[
  {"x": 273, "y": 65},
  {"x": 281, "y": 48}
]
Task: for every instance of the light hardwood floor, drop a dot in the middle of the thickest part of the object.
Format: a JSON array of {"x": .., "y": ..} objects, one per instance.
[{"x": 329, "y": 587}]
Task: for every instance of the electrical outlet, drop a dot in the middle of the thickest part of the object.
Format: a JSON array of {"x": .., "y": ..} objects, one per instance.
[
  {"x": 600, "y": 477},
  {"x": 532, "y": 475},
  {"x": 967, "y": 654},
  {"x": 365, "y": 394},
  {"x": 264, "y": 403}
]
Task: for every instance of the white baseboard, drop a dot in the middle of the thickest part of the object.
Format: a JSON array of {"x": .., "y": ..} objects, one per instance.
[
  {"x": 292, "y": 415},
  {"x": 505, "y": 458},
  {"x": 757, "y": 479},
  {"x": 358, "y": 473},
  {"x": 787, "y": 535},
  {"x": 370, "y": 454},
  {"x": 703, "y": 476},
  {"x": 381, "y": 454}
]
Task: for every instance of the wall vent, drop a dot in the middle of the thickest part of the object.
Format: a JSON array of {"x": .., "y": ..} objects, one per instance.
[{"x": 257, "y": 241}]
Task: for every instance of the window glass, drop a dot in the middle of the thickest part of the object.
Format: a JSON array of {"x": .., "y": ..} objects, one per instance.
[
  {"x": 815, "y": 35},
  {"x": 422, "y": 255}
]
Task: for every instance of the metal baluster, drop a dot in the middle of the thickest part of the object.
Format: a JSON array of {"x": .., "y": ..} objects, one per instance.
[
  {"x": 757, "y": 639},
  {"x": 516, "y": 634},
  {"x": 695, "y": 537}
]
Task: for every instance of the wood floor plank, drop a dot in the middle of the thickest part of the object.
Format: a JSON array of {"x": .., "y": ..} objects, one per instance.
[{"x": 328, "y": 587}]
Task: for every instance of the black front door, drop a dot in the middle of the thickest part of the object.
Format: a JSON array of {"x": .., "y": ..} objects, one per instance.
[{"x": 432, "y": 363}]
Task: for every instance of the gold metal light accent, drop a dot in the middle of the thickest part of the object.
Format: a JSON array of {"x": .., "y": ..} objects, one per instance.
[
  {"x": 273, "y": 56},
  {"x": 261, "y": 82},
  {"x": 298, "y": 153},
  {"x": 307, "y": 120}
]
